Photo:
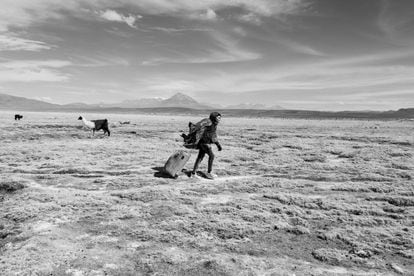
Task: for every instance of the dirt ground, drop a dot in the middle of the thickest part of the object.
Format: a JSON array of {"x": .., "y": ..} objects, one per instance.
[{"x": 292, "y": 197}]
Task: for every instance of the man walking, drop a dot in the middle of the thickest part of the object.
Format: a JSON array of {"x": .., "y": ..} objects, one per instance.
[{"x": 202, "y": 135}]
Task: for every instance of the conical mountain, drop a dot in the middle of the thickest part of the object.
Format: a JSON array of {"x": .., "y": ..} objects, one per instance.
[{"x": 182, "y": 100}]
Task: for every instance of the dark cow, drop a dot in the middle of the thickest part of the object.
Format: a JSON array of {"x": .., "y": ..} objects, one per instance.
[{"x": 18, "y": 117}]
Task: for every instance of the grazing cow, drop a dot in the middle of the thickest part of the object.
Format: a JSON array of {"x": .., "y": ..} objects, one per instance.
[
  {"x": 96, "y": 125},
  {"x": 18, "y": 117}
]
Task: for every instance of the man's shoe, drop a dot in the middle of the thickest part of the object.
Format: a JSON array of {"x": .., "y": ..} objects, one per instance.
[
  {"x": 208, "y": 176},
  {"x": 194, "y": 175}
]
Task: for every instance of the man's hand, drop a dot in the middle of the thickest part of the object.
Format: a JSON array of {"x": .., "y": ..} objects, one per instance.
[{"x": 218, "y": 147}]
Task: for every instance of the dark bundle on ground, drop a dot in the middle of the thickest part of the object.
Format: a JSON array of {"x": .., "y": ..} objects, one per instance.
[{"x": 11, "y": 186}]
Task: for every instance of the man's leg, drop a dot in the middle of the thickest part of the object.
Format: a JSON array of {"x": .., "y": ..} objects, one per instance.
[
  {"x": 210, "y": 153},
  {"x": 200, "y": 157}
]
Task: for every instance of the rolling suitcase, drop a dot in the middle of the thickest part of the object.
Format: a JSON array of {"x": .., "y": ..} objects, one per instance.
[{"x": 176, "y": 163}]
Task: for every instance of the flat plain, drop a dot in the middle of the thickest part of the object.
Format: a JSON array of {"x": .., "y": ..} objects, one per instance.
[{"x": 292, "y": 197}]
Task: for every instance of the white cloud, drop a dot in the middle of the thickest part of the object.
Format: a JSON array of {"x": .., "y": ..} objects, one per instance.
[
  {"x": 112, "y": 15},
  {"x": 207, "y": 15},
  {"x": 33, "y": 70},
  {"x": 250, "y": 18},
  {"x": 210, "y": 14},
  {"x": 10, "y": 42}
]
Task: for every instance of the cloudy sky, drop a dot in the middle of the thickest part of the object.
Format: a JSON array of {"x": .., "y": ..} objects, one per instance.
[{"x": 303, "y": 54}]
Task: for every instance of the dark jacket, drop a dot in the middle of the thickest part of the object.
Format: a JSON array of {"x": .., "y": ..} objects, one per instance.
[{"x": 210, "y": 134}]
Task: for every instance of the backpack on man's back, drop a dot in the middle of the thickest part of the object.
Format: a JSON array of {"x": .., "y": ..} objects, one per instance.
[{"x": 195, "y": 133}]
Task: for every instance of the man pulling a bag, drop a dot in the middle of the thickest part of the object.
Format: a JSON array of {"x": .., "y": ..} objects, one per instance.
[{"x": 201, "y": 136}]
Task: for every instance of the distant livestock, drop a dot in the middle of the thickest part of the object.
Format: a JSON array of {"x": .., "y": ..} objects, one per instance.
[
  {"x": 96, "y": 125},
  {"x": 18, "y": 117}
]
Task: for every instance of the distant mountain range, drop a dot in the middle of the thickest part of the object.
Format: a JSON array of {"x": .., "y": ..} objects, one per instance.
[
  {"x": 177, "y": 100},
  {"x": 254, "y": 106},
  {"x": 183, "y": 104}
]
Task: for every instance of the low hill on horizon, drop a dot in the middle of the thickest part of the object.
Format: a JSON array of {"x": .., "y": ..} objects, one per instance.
[{"x": 20, "y": 103}]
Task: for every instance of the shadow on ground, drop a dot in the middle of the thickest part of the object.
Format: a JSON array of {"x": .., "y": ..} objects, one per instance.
[{"x": 160, "y": 173}]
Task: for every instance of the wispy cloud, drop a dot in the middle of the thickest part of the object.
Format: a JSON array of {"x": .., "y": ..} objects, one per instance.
[
  {"x": 35, "y": 64},
  {"x": 24, "y": 12},
  {"x": 226, "y": 50},
  {"x": 395, "y": 21},
  {"x": 178, "y": 30},
  {"x": 300, "y": 48},
  {"x": 166, "y": 85},
  {"x": 230, "y": 50},
  {"x": 213, "y": 57},
  {"x": 10, "y": 42},
  {"x": 100, "y": 60},
  {"x": 112, "y": 15},
  {"x": 352, "y": 77},
  {"x": 262, "y": 7},
  {"x": 355, "y": 75},
  {"x": 33, "y": 70}
]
